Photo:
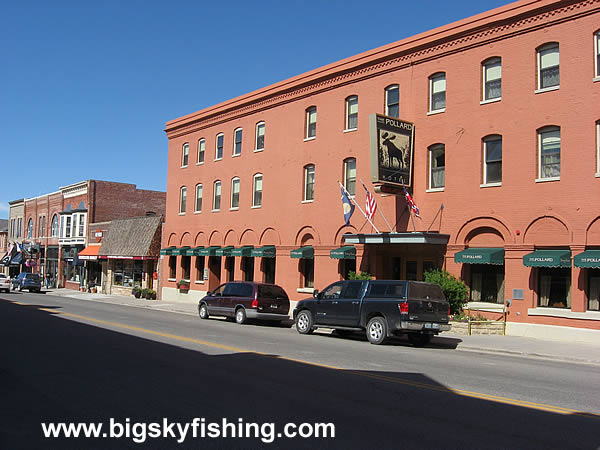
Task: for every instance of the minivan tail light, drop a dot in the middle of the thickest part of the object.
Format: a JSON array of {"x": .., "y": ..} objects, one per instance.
[
  {"x": 403, "y": 307},
  {"x": 255, "y": 303},
  {"x": 448, "y": 309}
]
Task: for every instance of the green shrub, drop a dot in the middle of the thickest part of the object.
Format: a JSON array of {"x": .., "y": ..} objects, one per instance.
[
  {"x": 454, "y": 289},
  {"x": 359, "y": 276}
]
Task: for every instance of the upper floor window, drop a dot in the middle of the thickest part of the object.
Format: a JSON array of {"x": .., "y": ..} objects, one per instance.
[
  {"x": 30, "y": 229},
  {"x": 350, "y": 175},
  {"x": 81, "y": 225},
  {"x": 548, "y": 66},
  {"x": 54, "y": 226},
  {"x": 217, "y": 196},
  {"x": 185, "y": 155},
  {"x": 182, "y": 199},
  {"x": 67, "y": 224},
  {"x": 549, "y": 153},
  {"x": 260, "y": 136},
  {"x": 392, "y": 101},
  {"x": 198, "y": 206},
  {"x": 219, "y": 147},
  {"x": 40, "y": 226},
  {"x": 237, "y": 142},
  {"x": 597, "y": 54},
  {"x": 201, "y": 148},
  {"x": 309, "y": 182},
  {"x": 598, "y": 148},
  {"x": 437, "y": 166},
  {"x": 257, "y": 190},
  {"x": 235, "y": 193},
  {"x": 311, "y": 122},
  {"x": 492, "y": 157},
  {"x": 352, "y": 113},
  {"x": 437, "y": 92},
  {"x": 492, "y": 79}
]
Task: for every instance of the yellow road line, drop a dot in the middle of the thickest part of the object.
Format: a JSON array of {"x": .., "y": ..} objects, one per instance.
[{"x": 433, "y": 387}]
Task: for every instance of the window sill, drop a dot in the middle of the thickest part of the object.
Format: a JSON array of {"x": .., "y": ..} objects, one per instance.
[
  {"x": 198, "y": 282},
  {"x": 487, "y": 185},
  {"x": 348, "y": 130},
  {"x": 305, "y": 290},
  {"x": 215, "y": 210},
  {"x": 598, "y": 175},
  {"x": 310, "y": 139},
  {"x": 181, "y": 214},
  {"x": 218, "y": 159},
  {"x": 492, "y": 100},
  {"x": 235, "y": 156},
  {"x": 548, "y": 89},
  {"x": 435, "y": 190},
  {"x": 256, "y": 207},
  {"x": 197, "y": 212},
  {"x": 200, "y": 163},
  {"x": 437, "y": 111},
  {"x": 545, "y": 180},
  {"x": 234, "y": 209},
  {"x": 172, "y": 279},
  {"x": 596, "y": 79},
  {"x": 183, "y": 167},
  {"x": 563, "y": 312},
  {"x": 258, "y": 150},
  {"x": 307, "y": 201}
]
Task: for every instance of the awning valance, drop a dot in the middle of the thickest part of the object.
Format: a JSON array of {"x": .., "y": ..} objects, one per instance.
[
  {"x": 268, "y": 251},
  {"x": 548, "y": 258},
  {"x": 246, "y": 250},
  {"x": 167, "y": 251},
  {"x": 589, "y": 259},
  {"x": 307, "y": 252},
  {"x": 209, "y": 251},
  {"x": 193, "y": 251},
  {"x": 482, "y": 255},
  {"x": 346, "y": 252},
  {"x": 224, "y": 251},
  {"x": 180, "y": 250}
]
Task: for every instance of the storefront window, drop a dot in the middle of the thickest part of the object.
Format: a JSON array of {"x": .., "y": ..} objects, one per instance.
[
  {"x": 199, "y": 268},
  {"x": 487, "y": 283},
  {"x": 248, "y": 267},
  {"x": 594, "y": 290},
  {"x": 554, "y": 288},
  {"x": 307, "y": 268},
  {"x": 186, "y": 262},
  {"x": 172, "y": 267},
  {"x": 128, "y": 273}
]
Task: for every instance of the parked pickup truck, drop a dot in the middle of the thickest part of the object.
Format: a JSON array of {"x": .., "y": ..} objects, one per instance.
[{"x": 382, "y": 308}]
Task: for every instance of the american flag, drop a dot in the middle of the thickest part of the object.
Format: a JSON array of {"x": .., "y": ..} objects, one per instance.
[
  {"x": 411, "y": 202},
  {"x": 371, "y": 206}
]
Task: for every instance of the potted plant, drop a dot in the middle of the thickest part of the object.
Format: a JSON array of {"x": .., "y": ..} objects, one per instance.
[
  {"x": 150, "y": 294},
  {"x": 183, "y": 285},
  {"x": 136, "y": 292},
  {"x": 143, "y": 293}
]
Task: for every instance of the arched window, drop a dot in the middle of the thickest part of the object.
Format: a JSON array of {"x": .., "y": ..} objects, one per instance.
[
  {"x": 597, "y": 54},
  {"x": 311, "y": 122},
  {"x": 350, "y": 175},
  {"x": 219, "y": 147},
  {"x": 437, "y": 92},
  {"x": 309, "y": 182},
  {"x": 182, "y": 199},
  {"x": 201, "y": 149},
  {"x": 217, "y": 195},
  {"x": 549, "y": 153},
  {"x": 198, "y": 206},
  {"x": 492, "y": 159},
  {"x": 235, "y": 193},
  {"x": 548, "y": 63},
  {"x": 54, "y": 226},
  {"x": 185, "y": 155},
  {"x": 437, "y": 167},
  {"x": 30, "y": 229},
  {"x": 352, "y": 112},
  {"x": 492, "y": 79},
  {"x": 260, "y": 137},
  {"x": 257, "y": 187},
  {"x": 237, "y": 142},
  {"x": 392, "y": 101}
]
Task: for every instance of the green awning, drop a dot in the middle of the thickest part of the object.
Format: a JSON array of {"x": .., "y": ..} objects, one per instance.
[
  {"x": 548, "y": 258},
  {"x": 246, "y": 250},
  {"x": 306, "y": 252},
  {"x": 224, "y": 251},
  {"x": 589, "y": 259},
  {"x": 193, "y": 251},
  {"x": 346, "y": 252},
  {"x": 180, "y": 250},
  {"x": 268, "y": 251},
  {"x": 480, "y": 256},
  {"x": 208, "y": 251},
  {"x": 167, "y": 251}
]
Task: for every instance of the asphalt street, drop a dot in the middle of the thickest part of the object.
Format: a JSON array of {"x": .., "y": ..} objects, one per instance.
[{"x": 69, "y": 360}]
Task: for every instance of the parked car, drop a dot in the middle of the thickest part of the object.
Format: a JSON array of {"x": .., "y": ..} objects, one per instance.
[
  {"x": 29, "y": 281},
  {"x": 382, "y": 308},
  {"x": 245, "y": 300},
  {"x": 4, "y": 283}
]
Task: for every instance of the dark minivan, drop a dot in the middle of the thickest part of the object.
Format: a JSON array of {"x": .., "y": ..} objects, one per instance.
[{"x": 245, "y": 300}]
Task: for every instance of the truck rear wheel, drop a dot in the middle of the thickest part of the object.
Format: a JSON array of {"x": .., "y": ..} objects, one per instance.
[
  {"x": 377, "y": 330},
  {"x": 419, "y": 339}
]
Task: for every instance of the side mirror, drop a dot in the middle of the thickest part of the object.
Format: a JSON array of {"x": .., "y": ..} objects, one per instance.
[{"x": 316, "y": 293}]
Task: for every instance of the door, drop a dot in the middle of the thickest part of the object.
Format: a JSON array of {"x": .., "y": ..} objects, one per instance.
[
  {"x": 214, "y": 303},
  {"x": 348, "y": 307},
  {"x": 327, "y": 306}
]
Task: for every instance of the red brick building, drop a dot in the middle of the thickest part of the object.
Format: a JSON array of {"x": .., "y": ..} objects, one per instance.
[{"x": 504, "y": 169}]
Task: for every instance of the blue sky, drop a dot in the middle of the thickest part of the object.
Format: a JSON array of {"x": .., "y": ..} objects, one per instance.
[{"x": 87, "y": 87}]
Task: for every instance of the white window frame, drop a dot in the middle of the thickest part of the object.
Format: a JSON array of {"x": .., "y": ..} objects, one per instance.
[
  {"x": 29, "y": 233},
  {"x": 260, "y": 125},
  {"x": 598, "y": 148},
  {"x": 234, "y": 181},
  {"x": 201, "y": 151},
  {"x": 486, "y": 140},
  {"x": 54, "y": 226},
  {"x": 438, "y": 76},
  {"x": 539, "y": 51},
  {"x": 308, "y": 116},
  {"x": 392, "y": 87},
  {"x": 217, "y": 148},
  {"x": 217, "y": 193},
  {"x": 597, "y": 56},
  {"x": 430, "y": 168},
  {"x": 307, "y": 172},
  {"x": 237, "y": 151},
  {"x": 487, "y": 66},
  {"x": 182, "y": 199},
  {"x": 540, "y": 133},
  {"x": 199, "y": 194},
  {"x": 257, "y": 177},
  {"x": 185, "y": 155},
  {"x": 346, "y": 179},
  {"x": 350, "y": 102}
]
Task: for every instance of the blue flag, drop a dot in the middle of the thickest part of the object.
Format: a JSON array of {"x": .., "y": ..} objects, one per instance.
[{"x": 348, "y": 206}]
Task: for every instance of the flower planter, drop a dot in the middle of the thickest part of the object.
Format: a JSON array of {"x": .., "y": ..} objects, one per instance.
[{"x": 478, "y": 328}]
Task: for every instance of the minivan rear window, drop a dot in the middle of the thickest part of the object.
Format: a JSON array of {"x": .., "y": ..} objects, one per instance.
[
  {"x": 387, "y": 290},
  {"x": 265, "y": 291},
  {"x": 32, "y": 276}
]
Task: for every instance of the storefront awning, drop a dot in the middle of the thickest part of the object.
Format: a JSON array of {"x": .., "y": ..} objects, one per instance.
[
  {"x": 246, "y": 250},
  {"x": 180, "y": 250},
  {"x": 224, "y": 251},
  {"x": 589, "y": 259},
  {"x": 480, "y": 256},
  {"x": 17, "y": 260},
  {"x": 167, "y": 251},
  {"x": 548, "y": 258},
  {"x": 208, "y": 251},
  {"x": 306, "y": 252},
  {"x": 268, "y": 251},
  {"x": 5, "y": 260},
  {"x": 90, "y": 252},
  {"x": 346, "y": 252},
  {"x": 193, "y": 251}
]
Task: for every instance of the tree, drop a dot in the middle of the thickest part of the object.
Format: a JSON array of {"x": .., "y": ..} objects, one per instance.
[{"x": 454, "y": 289}]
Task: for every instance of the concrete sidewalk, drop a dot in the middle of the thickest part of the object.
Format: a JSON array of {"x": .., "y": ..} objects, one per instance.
[{"x": 509, "y": 345}]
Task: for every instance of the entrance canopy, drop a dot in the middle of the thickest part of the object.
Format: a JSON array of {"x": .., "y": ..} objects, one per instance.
[
  {"x": 548, "y": 258},
  {"x": 397, "y": 238},
  {"x": 346, "y": 252},
  {"x": 589, "y": 259},
  {"x": 480, "y": 256}
]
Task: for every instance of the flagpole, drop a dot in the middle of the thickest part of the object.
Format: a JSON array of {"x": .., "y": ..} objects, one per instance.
[
  {"x": 359, "y": 208},
  {"x": 379, "y": 209}
]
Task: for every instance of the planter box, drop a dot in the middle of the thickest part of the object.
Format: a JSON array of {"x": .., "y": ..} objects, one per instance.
[{"x": 495, "y": 328}]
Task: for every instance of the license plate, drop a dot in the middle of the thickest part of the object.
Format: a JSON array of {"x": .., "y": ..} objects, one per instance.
[
  {"x": 274, "y": 306},
  {"x": 432, "y": 326}
]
